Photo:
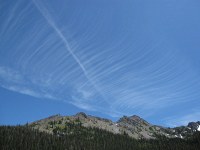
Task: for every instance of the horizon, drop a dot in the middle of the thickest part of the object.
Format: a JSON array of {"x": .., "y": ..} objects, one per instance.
[
  {"x": 104, "y": 58},
  {"x": 21, "y": 120}
]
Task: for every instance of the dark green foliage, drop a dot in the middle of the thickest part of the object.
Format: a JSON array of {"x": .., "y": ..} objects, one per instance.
[
  {"x": 150, "y": 128},
  {"x": 81, "y": 138}
]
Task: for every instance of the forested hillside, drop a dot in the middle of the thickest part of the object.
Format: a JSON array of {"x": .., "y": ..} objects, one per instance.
[{"x": 81, "y": 138}]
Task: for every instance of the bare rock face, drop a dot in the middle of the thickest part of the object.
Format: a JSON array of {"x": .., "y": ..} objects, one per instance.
[
  {"x": 133, "y": 120},
  {"x": 81, "y": 115},
  {"x": 193, "y": 125},
  {"x": 133, "y": 126}
]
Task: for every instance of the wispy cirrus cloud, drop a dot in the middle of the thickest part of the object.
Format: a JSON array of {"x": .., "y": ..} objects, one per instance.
[
  {"x": 24, "y": 90},
  {"x": 175, "y": 121},
  {"x": 14, "y": 81},
  {"x": 95, "y": 57},
  {"x": 10, "y": 75},
  {"x": 52, "y": 23}
]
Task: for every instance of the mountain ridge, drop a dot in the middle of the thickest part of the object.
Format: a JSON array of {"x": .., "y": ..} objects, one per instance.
[{"x": 134, "y": 126}]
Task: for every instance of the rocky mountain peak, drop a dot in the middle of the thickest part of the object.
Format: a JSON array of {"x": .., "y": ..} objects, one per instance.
[
  {"x": 81, "y": 114},
  {"x": 194, "y": 125},
  {"x": 134, "y": 120}
]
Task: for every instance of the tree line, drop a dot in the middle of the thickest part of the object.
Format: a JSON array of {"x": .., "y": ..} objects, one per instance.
[{"x": 81, "y": 138}]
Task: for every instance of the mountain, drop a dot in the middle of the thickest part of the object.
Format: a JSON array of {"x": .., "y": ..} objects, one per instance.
[{"x": 133, "y": 126}]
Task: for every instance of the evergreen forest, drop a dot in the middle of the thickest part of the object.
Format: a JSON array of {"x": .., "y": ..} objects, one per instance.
[{"x": 81, "y": 138}]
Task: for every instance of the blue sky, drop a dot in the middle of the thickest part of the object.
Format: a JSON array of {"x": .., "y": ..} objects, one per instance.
[{"x": 106, "y": 58}]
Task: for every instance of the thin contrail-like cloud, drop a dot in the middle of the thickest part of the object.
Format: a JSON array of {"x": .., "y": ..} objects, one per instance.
[
  {"x": 60, "y": 34},
  {"x": 45, "y": 14}
]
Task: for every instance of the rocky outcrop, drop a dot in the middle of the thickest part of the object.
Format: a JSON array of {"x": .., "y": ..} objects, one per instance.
[{"x": 194, "y": 125}]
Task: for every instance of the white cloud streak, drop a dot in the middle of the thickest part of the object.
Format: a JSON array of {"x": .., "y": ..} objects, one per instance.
[
  {"x": 48, "y": 18},
  {"x": 105, "y": 63},
  {"x": 182, "y": 120},
  {"x": 50, "y": 21},
  {"x": 14, "y": 81}
]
